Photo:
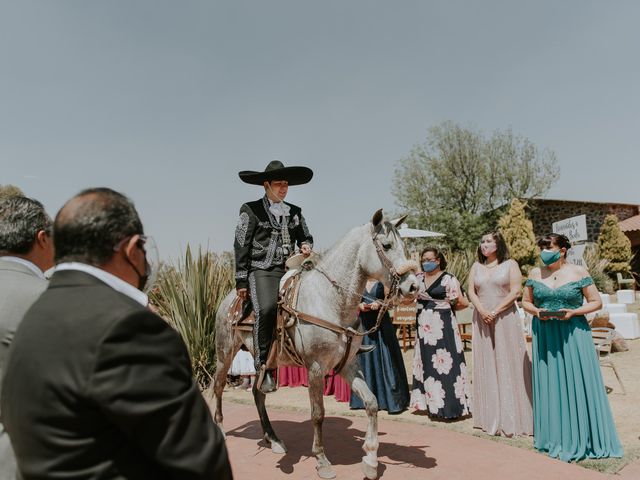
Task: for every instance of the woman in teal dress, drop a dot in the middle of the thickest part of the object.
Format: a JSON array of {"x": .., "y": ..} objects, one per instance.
[{"x": 572, "y": 418}]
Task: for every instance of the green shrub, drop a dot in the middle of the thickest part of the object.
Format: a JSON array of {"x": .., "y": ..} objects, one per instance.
[
  {"x": 597, "y": 268},
  {"x": 614, "y": 246},
  {"x": 517, "y": 231},
  {"x": 187, "y": 296}
]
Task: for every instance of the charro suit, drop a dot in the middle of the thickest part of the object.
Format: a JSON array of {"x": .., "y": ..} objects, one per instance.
[
  {"x": 99, "y": 387},
  {"x": 19, "y": 288},
  {"x": 262, "y": 245}
]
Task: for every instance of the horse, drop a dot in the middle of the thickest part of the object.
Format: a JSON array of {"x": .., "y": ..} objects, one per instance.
[{"x": 331, "y": 291}]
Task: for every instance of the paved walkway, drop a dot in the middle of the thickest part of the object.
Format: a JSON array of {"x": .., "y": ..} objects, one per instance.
[{"x": 407, "y": 451}]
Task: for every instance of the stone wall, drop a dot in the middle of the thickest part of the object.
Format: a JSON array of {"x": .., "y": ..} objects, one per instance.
[{"x": 543, "y": 213}]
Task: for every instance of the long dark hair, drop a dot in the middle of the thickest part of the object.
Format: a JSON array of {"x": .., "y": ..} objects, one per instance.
[
  {"x": 438, "y": 254},
  {"x": 502, "y": 251},
  {"x": 557, "y": 239}
]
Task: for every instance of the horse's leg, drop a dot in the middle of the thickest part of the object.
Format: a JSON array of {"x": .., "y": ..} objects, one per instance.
[
  {"x": 277, "y": 446},
  {"x": 316, "y": 390},
  {"x": 353, "y": 376},
  {"x": 225, "y": 353}
]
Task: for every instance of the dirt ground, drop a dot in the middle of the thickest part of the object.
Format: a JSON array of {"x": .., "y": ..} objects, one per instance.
[{"x": 624, "y": 406}]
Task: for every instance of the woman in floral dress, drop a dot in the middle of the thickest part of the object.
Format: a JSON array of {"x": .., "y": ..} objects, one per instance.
[{"x": 440, "y": 381}]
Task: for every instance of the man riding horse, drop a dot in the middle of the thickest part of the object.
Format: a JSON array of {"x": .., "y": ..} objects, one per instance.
[{"x": 267, "y": 233}]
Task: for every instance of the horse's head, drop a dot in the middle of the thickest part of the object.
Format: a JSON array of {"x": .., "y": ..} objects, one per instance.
[{"x": 384, "y": 259}]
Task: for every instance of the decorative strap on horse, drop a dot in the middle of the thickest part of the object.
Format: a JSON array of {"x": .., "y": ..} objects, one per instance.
[
  {"x": 234, "y": 314},
  {"x": 289, "y": 298}
]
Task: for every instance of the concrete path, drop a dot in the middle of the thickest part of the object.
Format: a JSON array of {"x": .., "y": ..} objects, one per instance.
[{"x": 407, "y": 451}]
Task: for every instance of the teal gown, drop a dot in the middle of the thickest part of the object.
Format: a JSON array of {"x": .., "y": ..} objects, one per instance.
[{"x": 572, "y": 418}]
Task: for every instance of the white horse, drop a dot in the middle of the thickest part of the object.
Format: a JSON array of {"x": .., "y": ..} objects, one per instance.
[{"x": 330, "y": 292}]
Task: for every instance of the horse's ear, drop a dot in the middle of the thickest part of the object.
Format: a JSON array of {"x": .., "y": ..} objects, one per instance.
[
  {"x": 399, "y": 221},
  {"x": 377, "y": 218}
]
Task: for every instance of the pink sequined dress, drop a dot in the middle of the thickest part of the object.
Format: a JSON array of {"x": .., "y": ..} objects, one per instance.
[{"x": 502, "y": 394}]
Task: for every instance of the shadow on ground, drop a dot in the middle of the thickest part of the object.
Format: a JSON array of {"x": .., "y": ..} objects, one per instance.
[{"x": 342, "y": 443}]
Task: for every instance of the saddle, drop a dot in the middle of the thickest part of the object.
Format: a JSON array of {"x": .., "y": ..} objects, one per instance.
[{"x": 283, "y": 351}]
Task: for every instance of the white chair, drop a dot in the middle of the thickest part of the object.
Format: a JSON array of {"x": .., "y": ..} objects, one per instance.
[
  {"x": 615, "y": 308},
  {"x": 602, "y": 338},
  {"x": 626, "y": 296},
  {"x": 625, "y": 281},
  {"x": 627, "y": 324},
  {"x": 605, "y": 297}
]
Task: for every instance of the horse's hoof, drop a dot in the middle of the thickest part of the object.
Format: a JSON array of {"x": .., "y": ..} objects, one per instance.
[
  {"x": 278, "y": 448},
  {"x": 369, "y": 470},
  {"x": 326, "y": 471}
]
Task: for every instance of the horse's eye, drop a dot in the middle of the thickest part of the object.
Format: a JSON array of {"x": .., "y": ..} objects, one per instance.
[{"x": 386, "y": 245}]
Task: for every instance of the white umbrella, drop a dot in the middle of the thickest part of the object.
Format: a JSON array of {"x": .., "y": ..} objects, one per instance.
[{"x": 406, "y": 232}]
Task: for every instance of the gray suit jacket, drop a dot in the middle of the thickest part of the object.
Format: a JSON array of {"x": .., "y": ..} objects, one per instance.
[{"x": 19, "y": 289}]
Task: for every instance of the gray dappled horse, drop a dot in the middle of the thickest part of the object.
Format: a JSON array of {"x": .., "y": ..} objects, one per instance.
[{"x": 330, "y": 292}]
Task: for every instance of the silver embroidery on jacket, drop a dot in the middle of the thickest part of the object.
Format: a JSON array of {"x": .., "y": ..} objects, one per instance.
[
  {"x": 305, "y": 229},
  {"x": 267, "y": 261},
  {"x": 256, "y": 310},
  {"x": 241, "y": 228}
]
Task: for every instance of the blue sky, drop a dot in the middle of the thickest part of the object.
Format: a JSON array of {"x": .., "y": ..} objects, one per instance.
[{"x": 166, "y": 101}]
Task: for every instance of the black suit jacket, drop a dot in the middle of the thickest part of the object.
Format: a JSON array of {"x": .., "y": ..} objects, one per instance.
[
  {"x": 99, "y": 387},
  {"x": 258, "y": 244}
]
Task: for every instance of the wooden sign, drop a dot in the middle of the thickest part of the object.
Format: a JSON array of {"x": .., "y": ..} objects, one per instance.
[{"x": 405, "y": 312}]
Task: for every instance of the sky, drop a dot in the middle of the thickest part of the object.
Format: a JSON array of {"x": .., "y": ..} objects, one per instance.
[{"x": 166, "y": 101}]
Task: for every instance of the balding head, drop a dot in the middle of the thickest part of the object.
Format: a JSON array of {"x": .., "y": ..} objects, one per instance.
[{"x": 90, "y": 225}]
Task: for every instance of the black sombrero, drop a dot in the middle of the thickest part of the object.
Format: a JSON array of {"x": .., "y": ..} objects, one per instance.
[{"x": 277, "y": 171}]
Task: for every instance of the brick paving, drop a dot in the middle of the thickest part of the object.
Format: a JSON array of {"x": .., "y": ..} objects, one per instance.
[{"x": 407, "y": 451}]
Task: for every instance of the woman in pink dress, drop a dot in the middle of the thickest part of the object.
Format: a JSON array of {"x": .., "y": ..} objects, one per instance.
[{"x": 502, "y": 395}]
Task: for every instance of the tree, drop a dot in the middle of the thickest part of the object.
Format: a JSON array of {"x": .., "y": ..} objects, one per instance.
[
  {"x": 517, "y": 231},
  {"x": 614, "y": 246},
  {"x": 456, "y": 179},
  {"x": 7, "y": 191}
]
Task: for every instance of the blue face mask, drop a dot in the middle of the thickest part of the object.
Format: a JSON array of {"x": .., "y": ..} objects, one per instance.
[
  {"x": 429, "y": 266},
  {"x": 550, "y": 256}
]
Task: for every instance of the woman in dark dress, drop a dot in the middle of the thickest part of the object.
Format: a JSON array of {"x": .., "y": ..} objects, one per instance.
[
  {"x": 440, "y": 381},
  {"x": 383, "y": 368}
]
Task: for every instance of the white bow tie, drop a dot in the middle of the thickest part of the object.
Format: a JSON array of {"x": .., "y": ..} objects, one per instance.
[{"x": 279, "y": 209}]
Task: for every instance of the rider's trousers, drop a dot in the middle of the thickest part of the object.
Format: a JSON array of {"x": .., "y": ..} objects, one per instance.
[{"x": 264, "y": 286}]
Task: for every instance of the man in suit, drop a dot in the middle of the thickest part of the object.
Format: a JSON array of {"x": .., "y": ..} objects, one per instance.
[
  {"x": 97, "y": 385},
  {"x": 26, "y": 251}
]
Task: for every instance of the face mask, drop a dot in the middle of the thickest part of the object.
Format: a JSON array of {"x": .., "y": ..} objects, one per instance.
[
  {"x": 429, "y": 266},
  {"x": 142, "y": 277},
  {"x": 488, "y": 248},
  {"x": 550, "y": 256},
  {"x": 147, "y": 278}
]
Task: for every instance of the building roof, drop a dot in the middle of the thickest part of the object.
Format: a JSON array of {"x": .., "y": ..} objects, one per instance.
[
  {"x": 630, "y": 224},
  {"x": 580, "y": 201}
]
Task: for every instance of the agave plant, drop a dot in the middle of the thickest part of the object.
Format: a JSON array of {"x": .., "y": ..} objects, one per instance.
[
  {"x": 597, "y": 268},
  {"x": 459, "y": 264},
  {"x": 187, "y": 296}
]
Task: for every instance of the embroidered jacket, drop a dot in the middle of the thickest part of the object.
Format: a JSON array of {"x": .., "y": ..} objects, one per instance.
[{"x": 261, "y": 242}]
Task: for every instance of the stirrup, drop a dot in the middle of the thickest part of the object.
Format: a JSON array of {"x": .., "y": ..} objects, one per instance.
[{"x": 265, "y": 382}]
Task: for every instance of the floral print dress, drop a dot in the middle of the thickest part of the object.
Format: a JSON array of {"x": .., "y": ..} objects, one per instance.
[{"x": 440, "y": 381}]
